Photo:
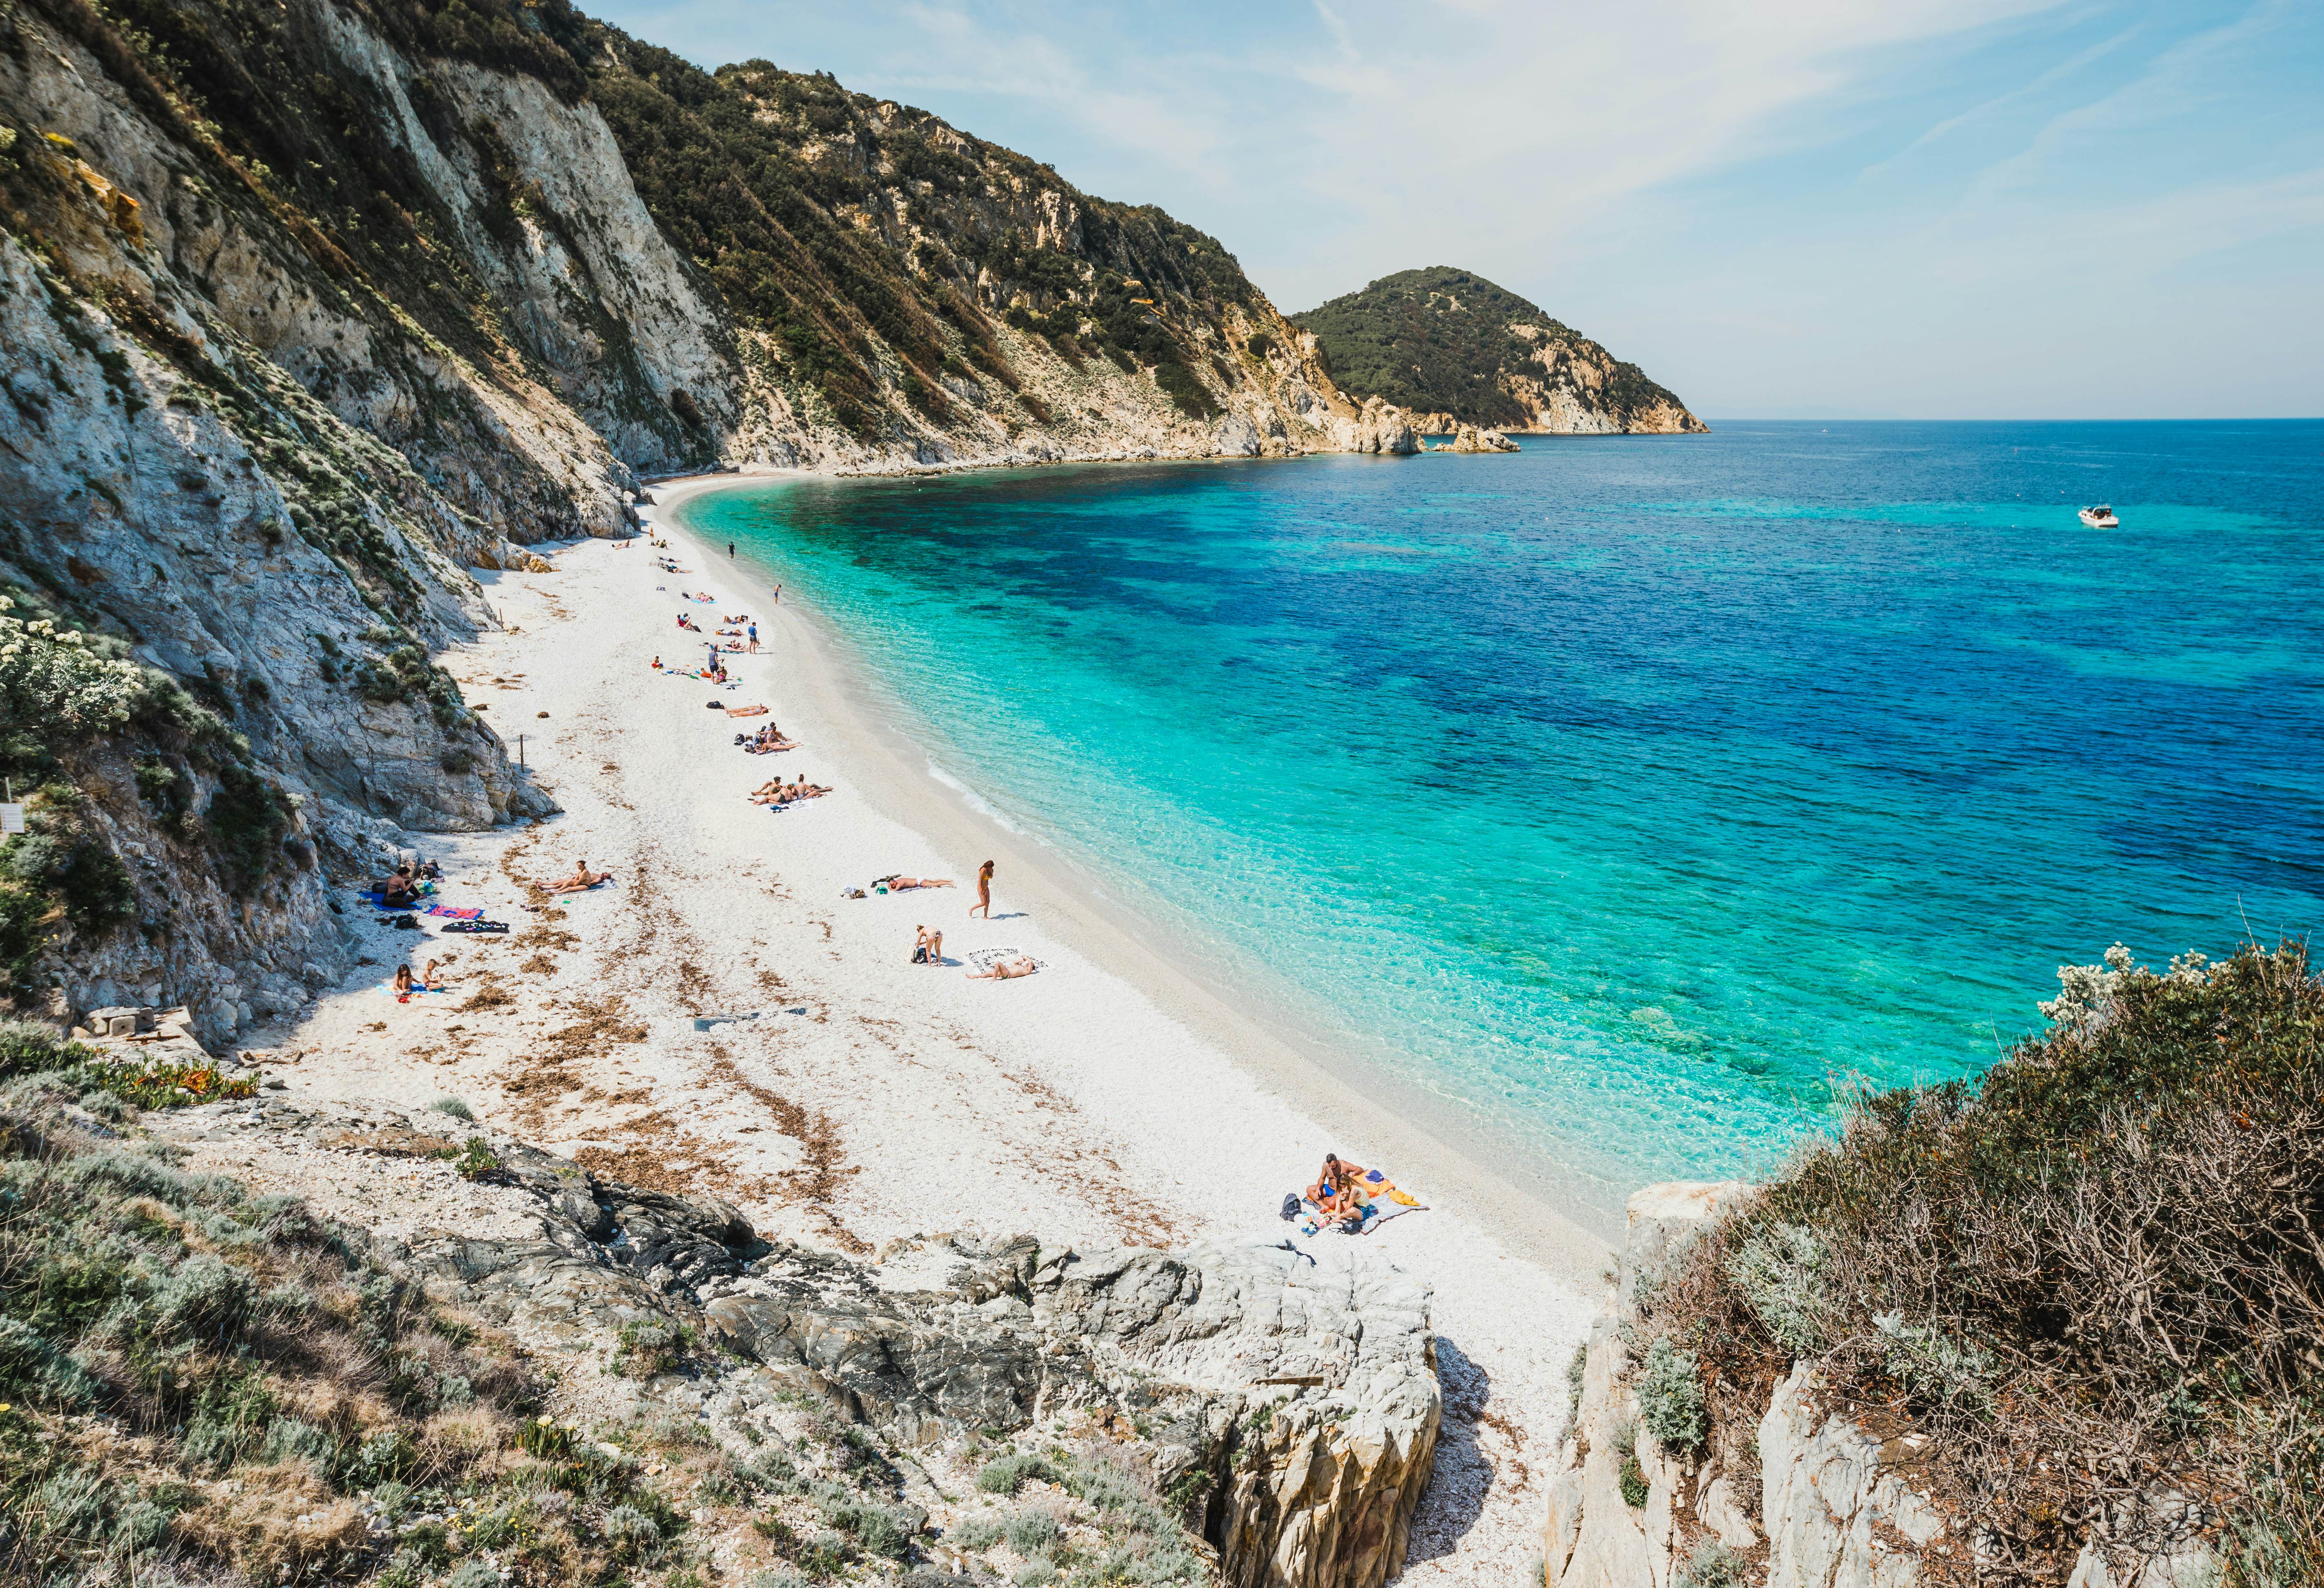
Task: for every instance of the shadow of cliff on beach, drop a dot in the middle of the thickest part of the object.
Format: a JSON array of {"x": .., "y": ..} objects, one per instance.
[{"x": 1464, "y": 1476}]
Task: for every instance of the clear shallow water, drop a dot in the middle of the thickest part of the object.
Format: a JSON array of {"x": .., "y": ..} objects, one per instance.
[{"x": 1630, "y": 794}]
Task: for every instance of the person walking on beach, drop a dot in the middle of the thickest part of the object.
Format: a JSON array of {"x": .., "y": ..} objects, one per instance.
[
  {"x": 754, "y": 638},
  {"x": 730, "y": 551},
  {"x": 984, "y": 891}
]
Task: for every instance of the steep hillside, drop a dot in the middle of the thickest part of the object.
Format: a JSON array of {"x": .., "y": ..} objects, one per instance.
[{"x": 1452, "y": 346}]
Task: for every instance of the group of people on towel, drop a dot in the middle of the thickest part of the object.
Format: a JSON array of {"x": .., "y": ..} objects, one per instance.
[
  {"x": 1344, "y": 1194},
  {"x": 768, "y": 740},
  {"x": 775, "y": 791}
]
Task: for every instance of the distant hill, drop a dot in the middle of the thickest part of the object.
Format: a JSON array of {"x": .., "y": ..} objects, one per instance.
[{"x": 1448, "y": 342}]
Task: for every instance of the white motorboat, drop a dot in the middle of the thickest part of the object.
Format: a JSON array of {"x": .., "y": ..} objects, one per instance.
[{"x": 2101, "y": 517}]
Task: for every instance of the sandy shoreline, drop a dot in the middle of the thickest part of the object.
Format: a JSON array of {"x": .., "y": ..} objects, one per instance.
[{"x": 1110, "y": 1099}]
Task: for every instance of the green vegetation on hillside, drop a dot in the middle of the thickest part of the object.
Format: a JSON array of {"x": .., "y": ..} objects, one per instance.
[
  {"x": 2093, "y": 1279},
  {"x": 1438, "y": 340},
  {"x": 849, "y": 232}
]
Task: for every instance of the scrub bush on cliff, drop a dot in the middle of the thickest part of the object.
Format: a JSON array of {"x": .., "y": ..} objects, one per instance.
[
  {"x": 2108, "y": 1245},
  {"x": 57, "y": 877},
  {"x": 160, "y": 1329}
]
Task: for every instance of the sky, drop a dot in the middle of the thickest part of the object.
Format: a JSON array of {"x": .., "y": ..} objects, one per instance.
[{"x": 1835, "y": 209}]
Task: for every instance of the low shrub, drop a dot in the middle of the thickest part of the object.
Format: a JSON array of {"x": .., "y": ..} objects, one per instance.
[
  {"x": 1030, "y": 1532},
  {"x": 1670, "y": 1397},
  {"x": 647, "y": 1349},
  {"x": 455, "y": 1107},
  {"x": 1712, "y": 1565},
  {"x": 1007, "y": 1475}
]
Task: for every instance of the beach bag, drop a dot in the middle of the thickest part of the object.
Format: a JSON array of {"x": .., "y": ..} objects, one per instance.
[
  {"x": 1290, "y": 1206},
  {"x": 920, "y": 955},
  {"x": 401, "y": 923}
]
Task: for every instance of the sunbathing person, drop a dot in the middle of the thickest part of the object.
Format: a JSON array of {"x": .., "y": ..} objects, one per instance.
[
  {"x": 771, "y": 792},
  {"x": 906, "y": 884},
  {"x": 1004, "y": 969},
  {"x": 582, "y": 877},
  {"x": 1335, "y": 1189},
  {"x": 397, "y": 890}
]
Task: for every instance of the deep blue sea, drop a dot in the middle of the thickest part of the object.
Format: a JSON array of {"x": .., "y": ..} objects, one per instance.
[{"x": 1635, "y": 797}]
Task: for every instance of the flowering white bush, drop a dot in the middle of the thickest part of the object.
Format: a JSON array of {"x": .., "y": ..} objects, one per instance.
[
  {"x": 50, "y": 682},
  {"x": 2084, "y": 990}
]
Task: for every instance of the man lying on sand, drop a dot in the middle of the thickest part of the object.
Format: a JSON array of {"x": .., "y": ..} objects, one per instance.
[
  {"x": 1005, "y": 969},
  {"x": 582, "y": 877},
  {"x": 906, "y": 884}
]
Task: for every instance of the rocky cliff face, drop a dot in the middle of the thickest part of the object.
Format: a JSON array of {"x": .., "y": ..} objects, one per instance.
[{"x": 1457, "y": 349}]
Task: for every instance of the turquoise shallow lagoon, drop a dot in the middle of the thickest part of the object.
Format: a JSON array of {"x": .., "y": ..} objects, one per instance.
[{"x": 1629, "y": 796}]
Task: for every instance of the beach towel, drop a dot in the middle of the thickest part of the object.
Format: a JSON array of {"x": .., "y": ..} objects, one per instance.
[
  {"x": 984, "y": 959},
  {"x": 1376, "y": 1184},
  {"x": 454, "y": 912},
  {"x": 704, "y": 600},
  {"x": 481, "y": 928}
]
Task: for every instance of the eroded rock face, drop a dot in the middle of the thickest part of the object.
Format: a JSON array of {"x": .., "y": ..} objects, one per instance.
[
  {"x": 1379, "y": 426},
  {"x": 1835, "y": 1518},
  {"x": 1292, "y": 1399},
  {"x": 1835, "y": 1511}
]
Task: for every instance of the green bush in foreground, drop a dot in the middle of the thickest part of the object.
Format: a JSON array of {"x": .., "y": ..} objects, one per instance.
[{"x": 2110, "y": 1249}]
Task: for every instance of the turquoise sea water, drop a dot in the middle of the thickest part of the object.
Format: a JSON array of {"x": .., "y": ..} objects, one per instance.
[{"x": 1629, "y": 795}]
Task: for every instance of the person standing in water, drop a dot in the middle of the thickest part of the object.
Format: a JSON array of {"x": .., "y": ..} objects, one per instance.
[{"x": 984, "y": 891}]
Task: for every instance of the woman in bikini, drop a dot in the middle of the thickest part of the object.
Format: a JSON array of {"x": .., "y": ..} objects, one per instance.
[
  {"x": 984, "y": 891},
  {"x": 1005, "y": 969},
  {"x": 906, "y": 884}
]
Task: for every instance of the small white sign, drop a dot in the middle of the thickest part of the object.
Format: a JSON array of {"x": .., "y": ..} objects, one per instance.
[{"x": 12, "y": 818}]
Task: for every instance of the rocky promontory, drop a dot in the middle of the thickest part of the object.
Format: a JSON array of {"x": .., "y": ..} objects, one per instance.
[{"x": 1454, "y": 349}]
